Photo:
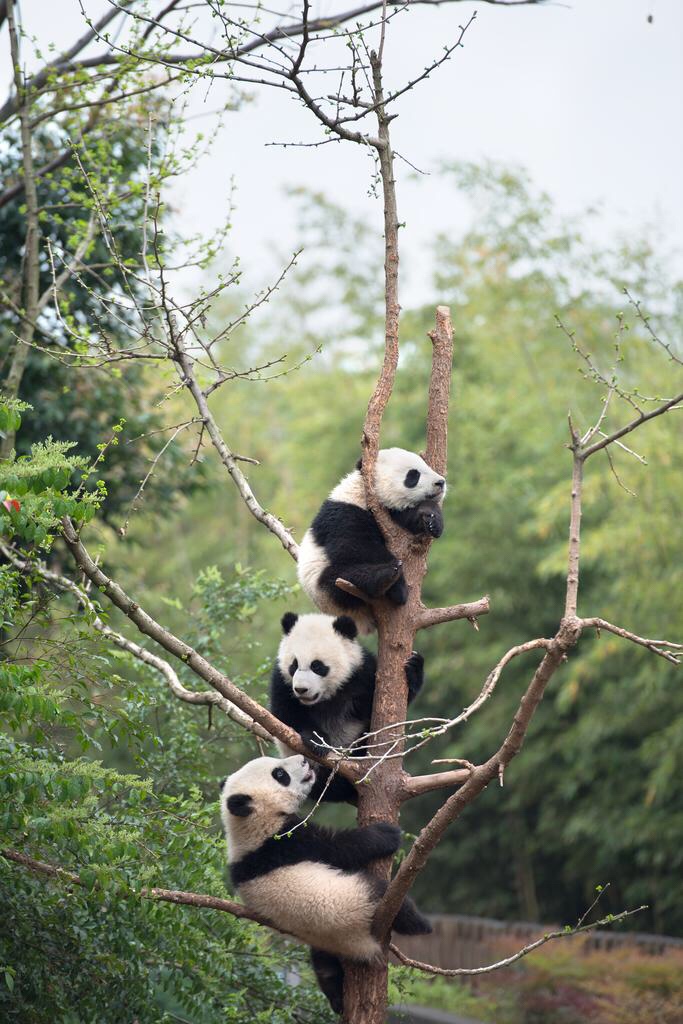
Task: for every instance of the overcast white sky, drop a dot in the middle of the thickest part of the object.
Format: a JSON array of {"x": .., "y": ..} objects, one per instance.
[{"x": 587, "y": 95}]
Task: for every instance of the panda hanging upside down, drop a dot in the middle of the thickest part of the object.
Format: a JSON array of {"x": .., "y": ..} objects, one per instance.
[
  {"x": 345, "y": 542},
  {"x": 312, "y": 883}
]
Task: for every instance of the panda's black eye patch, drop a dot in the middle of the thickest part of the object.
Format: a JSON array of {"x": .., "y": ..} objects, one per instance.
[
  {"x": 319, "y": 668},
  {"x": 281, "y": 776},
  {"x": 412, "y": 476},
  {"x": 293, "y": 667}
]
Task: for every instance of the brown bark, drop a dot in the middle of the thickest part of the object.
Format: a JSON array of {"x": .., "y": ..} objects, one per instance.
[
  {"x": 574, "y": 537},
  {"x": 436, "y": 452},
  {"x": 365, "y": 986}
]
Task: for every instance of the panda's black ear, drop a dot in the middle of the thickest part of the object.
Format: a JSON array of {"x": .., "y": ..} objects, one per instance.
[
  {"x": 345, "y": 626},
  {"x": 359, "y": 464},
  {"x": 222, "y": 783},
  {"x": 288, "y": 620},
  {"x": 239, "y": 804}
]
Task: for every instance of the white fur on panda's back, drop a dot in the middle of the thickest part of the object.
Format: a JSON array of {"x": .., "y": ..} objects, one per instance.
[
  {"x": 350, "y": 490},
  {"x": 325, "y": 907},
  {"x": 312, "y": 562}
]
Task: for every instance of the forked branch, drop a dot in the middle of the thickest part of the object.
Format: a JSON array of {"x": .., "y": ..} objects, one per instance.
[{"x": 664, "y": 648}]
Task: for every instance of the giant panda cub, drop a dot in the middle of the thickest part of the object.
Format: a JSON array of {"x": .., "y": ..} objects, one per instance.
[
  {"x": 312, "y": 884},
  {"x": 344, "y": 540},
  {"x": 323, "y": 682}
]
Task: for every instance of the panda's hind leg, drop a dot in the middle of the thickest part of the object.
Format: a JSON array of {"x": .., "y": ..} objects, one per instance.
[
  {"x": 372, "y": 578},
  {"x": 329, "y": 974},
  {"x": 410, "y": 921},
  {"x": 398, "y": 591}
]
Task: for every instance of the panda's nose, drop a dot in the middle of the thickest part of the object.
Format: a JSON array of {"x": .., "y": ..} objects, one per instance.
[
  {"x": 440, "y": 484},
  {"x": 300, "y": 690}
]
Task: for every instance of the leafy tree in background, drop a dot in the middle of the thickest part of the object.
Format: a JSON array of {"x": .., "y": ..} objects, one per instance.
[{"x": 75, "y": 398}]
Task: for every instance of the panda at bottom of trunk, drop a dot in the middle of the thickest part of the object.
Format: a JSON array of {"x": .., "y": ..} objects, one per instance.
[
  {"x": 345, "y": 542},
  {"x": 323, "y": 685},
  {"x": 308, "y": 882}
]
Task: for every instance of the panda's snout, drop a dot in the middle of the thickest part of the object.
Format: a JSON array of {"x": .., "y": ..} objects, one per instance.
[
  {"x": 305, "y": 685},
  {"x": 440, "y": 484}
]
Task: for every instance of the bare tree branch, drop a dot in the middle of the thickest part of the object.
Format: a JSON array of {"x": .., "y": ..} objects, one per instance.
[
  {"x": 478, "y": 780},
  {"x": 187, "y": 654},
  {"x": 416, "y": 785},
  {"x": 67, "y": 63},
  {"x": 572, "y": 593},
  {"x": 434, "y": 616},
  {"x": 227, "y": 457},
  {"x": 664, "y": 648},
  {"x": 439, "y": 391},
  {"x": 633, "y": 425},
  {"x": 188, "y": 899},
  {"x": 565, "y": 933}
]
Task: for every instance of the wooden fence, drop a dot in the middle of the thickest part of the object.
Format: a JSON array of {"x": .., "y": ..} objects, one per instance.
[{"x": 461, "y": 941}]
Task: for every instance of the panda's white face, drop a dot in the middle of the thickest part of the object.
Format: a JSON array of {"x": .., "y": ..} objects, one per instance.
[
  {"x": 317, "y": 654},
  {"x": 257, "y": 798},
  {"x": 403, "y": 479}
]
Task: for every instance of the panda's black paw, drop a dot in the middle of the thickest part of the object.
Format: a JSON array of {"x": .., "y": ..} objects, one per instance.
[
  {"x": 415, "y": 662},
  {"x": 386, "y": 838},
  {"x": 386, "y": 576},
  {"x": 431, "y": 520}
]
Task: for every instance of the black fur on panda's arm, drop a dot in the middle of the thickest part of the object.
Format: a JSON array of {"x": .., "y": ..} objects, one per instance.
[
  {"x": 423, "y": 520},
  {"x": 360, "y": 692},
  {"x": 348, "y": 849}
]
